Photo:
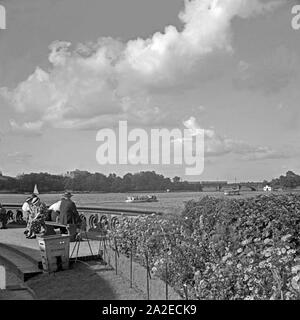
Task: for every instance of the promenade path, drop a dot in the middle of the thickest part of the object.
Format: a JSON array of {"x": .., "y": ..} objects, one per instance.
[
  {"x": 16, "y": 290},
  {"x": 83, "y": 281}
]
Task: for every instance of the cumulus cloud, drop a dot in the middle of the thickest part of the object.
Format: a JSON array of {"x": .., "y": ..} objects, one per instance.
[
  {"x": 216, "y": 145},
  {"x": 109, "y": 80}
]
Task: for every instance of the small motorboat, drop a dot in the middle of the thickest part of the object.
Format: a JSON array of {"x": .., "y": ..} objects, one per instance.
[
  {"x": 139, "y": 199},
  {"x": 233, "y": 192}
]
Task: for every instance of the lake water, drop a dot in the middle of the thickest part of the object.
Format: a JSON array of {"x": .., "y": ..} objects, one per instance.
[{"x": 168, "y": 202}]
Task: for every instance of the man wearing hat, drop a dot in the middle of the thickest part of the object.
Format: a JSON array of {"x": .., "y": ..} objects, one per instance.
[{"x": 68, "y": 210}]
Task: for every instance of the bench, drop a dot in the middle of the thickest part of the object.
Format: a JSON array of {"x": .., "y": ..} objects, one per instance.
[{"x": 69, "y": 229}]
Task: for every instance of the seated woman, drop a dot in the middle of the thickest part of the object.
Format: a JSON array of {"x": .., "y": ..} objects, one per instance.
[
  {"x": 3, "y": 217},
  {"x": 26, "y": 212},
  {"x": 36, "y": 222}
]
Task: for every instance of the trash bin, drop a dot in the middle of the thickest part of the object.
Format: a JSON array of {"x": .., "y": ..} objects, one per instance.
[{"x": 54, "y": 252}]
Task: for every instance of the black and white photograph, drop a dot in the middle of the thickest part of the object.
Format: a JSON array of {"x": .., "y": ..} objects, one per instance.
[{"x": 149, "y": 151}]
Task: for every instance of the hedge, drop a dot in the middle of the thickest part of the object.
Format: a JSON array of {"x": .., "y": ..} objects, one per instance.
[{"x": 222, "y": 248}]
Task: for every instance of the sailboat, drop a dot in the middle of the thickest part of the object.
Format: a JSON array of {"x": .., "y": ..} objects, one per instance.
[{"x": 35, "y": 190}]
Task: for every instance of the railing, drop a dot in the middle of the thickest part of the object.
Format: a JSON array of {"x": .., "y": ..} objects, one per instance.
[{"x": 95, "y": 218}]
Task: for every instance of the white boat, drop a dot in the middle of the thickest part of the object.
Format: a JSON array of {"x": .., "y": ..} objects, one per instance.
[
  {"x": 138, "y": 199},
  {"x": 233, "y": 192}
]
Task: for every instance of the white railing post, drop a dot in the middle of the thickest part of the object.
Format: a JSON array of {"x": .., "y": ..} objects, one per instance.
[
  {"x": 2, "y": 278},
  {"x": 2, "y": 17}
]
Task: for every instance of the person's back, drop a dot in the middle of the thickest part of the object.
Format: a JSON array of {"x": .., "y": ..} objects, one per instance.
[{"x": 68, "y": 212}]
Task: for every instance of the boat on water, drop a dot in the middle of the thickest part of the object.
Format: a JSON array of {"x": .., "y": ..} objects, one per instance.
[
  {"x": 139, "y": 199},
  {"x": 233, "y": 192}
]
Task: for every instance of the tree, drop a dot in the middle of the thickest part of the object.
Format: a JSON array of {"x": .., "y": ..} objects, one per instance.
[{"x": 176, "y": 179}]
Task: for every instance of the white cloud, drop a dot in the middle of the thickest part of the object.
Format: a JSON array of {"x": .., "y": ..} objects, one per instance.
[
  {"x": 26, "y": 128},
  {"x": 216, "y": 145},
  {"x": 108, "y": 80}
]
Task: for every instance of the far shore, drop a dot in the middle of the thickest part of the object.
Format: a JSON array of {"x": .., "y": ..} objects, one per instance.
[
  {"x": 149, "y": 192},
  {"x": 100, "y": 192}
]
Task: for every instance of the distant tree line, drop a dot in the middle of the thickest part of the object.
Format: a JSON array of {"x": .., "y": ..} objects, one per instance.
[
  {"x": 290, "y": 180},
  {"x": 84, "y": 181}
]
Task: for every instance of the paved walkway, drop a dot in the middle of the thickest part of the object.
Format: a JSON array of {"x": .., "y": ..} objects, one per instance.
[
  {"x": 84, "y": 281},
  {"x": 15, "y": 287}
]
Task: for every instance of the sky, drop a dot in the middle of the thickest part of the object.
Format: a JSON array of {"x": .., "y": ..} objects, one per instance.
[{"x": 69, "y": 68}]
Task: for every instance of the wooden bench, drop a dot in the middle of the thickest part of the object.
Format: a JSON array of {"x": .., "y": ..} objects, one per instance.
[{"x": 69, "y": 229}]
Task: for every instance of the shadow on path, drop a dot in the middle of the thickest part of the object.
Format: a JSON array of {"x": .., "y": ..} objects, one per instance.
[
  {"x": 79, "y": 283},
  {"x": 82, "y": 283}
]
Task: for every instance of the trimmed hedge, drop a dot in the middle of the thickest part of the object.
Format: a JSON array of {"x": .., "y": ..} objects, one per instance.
[{"x": 221, "y": 248}]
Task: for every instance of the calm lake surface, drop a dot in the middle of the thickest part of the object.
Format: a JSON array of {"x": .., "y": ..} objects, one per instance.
[{"x": 168, "y": 202}]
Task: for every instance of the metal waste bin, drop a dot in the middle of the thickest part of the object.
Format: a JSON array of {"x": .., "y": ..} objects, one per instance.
[{"x": 54, "y": 252}]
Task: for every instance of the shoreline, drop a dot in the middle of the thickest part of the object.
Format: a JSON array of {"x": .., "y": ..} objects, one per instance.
[
  {"x": 147, "y": 192},
  {"x": 99, "y": 192}
]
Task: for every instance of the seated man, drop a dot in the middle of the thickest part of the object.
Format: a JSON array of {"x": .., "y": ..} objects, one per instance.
[
  {"x": 68, "y": 211},
  {"x": 69, "y": 215}
]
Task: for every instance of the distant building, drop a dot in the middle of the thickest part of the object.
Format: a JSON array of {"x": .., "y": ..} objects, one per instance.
[{"x": 73, "y": 174}]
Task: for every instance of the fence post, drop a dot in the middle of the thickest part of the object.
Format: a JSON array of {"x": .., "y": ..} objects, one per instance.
[
  {"x": 104, "y": 249},
  {"x": 116, "y": 256},
  {"x": 148, "y": 285},
  {"x": 108, "y": 252},
  {"x": 186, "y": 292},
  {"x": 167, "y": 288},
  {"x": 131, "y": 254},
  {"x": 2, "y": 278}
]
